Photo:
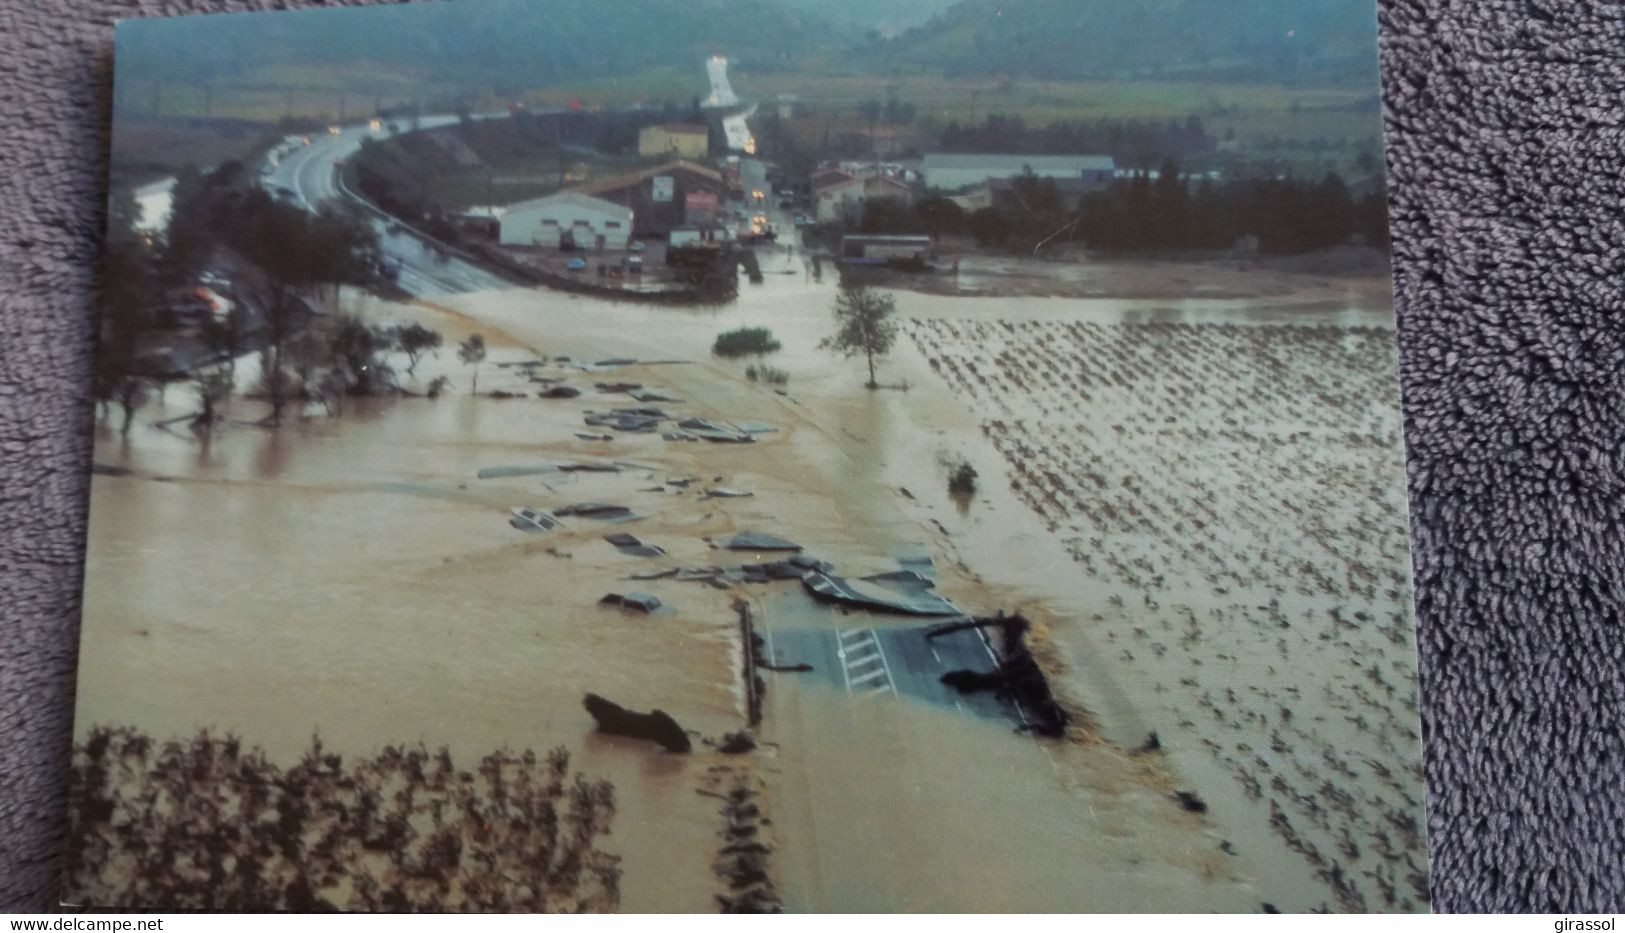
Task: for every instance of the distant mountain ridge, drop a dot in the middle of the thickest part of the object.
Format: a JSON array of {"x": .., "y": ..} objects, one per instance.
[
  {"x": 888, "y": 17},
  {"x": 524, "y": 42},
  {"x": 1247, "y": 40}
]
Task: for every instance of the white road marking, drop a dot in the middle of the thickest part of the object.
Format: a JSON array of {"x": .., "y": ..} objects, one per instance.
[{"x": 860, "y": 653}]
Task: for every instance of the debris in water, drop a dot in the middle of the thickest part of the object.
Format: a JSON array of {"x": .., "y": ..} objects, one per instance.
[
  {"x": 581, "y": 466},
  {"x": 715, "y": 431},
  {"x": 656, "y": 725},
  {"x": 1017, "y": 677},
  {"x": 500, "y": 472},
  {"x": 923, "y": 602},
  {"x": 665, "y": 574},
  {"x": 737, "y": 743},
  {"x": 743, "y": 863},
  {"x": 723, "y": 492},
  {"x": 636, "y": 420},
  {"x": 758, "y": 541},
  {"x": 645, "y": 395},
  {"x": 602, "y": 511},
  {"x": 595, "y": 437},
  {"x": 560, "y": 392},
  {"x": 533, "y": 521},
  {"x": 629, "y": 544},
  {"x": 902, "y": 579},
  {"x": 613, "y": 387},
  {"x": 637, "y": 602},
  {"x": 1190, "y": 801}
]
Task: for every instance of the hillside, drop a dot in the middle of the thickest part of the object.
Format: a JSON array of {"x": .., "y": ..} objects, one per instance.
[
  {"x": 887, "y": 17},
  {"x": 1296, "y": 41},
  {"x": 526, "y": 43}
]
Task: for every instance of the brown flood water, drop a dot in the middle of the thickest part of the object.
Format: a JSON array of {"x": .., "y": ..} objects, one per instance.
[{"x": 351, "y": 577}]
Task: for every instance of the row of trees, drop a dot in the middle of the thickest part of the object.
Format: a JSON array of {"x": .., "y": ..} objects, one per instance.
[
  {"x": 1130, "y": 142},
  {"x": 1163, "y": 214},
  {"x": 1287, "y": 215}
]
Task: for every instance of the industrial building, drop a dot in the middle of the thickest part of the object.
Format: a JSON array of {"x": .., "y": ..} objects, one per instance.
[
  {"x": 659, "y": 196},
  {"x": 955, "y": 171},
  {"x": 567, "y": 220}
]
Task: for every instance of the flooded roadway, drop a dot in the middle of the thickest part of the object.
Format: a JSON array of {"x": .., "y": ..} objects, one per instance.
[{"x": 351, "y": 577}]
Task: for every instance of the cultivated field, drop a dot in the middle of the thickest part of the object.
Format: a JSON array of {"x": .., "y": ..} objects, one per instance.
[{"x": 1231, "y": 493}]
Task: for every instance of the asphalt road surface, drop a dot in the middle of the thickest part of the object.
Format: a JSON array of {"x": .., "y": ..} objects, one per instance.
[
  {"x": 874, "y": 656},
  {"x": 310, "y": 173}
]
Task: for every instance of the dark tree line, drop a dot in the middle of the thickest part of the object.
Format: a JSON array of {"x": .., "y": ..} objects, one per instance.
[
  {"x": 209, "y": 823},
  {"x": 1287, "y": 215},
  {"x": 1130, "y": 142},
  {"x": 1168, "y": 213}
]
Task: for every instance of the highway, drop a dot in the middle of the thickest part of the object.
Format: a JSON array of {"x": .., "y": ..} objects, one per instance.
[
  {"x": 310, "y": 172},
  {"x": 874, "y": 657}
]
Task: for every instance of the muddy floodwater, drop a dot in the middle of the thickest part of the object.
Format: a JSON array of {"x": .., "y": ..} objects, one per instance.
[{"x": 1197, "y": 502}]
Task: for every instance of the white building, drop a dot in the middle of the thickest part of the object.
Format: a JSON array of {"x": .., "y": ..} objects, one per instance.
[
  {"x": 955, "y": 172},
  {"x": 568, "y": 217},
  {"x": 842, "y": 197}
]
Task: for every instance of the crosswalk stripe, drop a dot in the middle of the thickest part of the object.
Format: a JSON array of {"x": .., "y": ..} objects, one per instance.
[{"x": 878, "y": 673}]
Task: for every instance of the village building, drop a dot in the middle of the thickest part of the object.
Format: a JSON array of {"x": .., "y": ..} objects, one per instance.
[
  {"x": 842, "y": 199},
  {"x": 659, "y": 196},
  {"x": 675, "y": 140},
  {"x": 567, "y": 220},
  {"x": 956, "y": 171}
]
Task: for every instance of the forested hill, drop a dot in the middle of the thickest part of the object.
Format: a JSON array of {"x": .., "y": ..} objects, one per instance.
[
  {"x": 1295, "y": 41},
  {"x": 519, "y": 42},
  {"x": 887, "y": 17}
]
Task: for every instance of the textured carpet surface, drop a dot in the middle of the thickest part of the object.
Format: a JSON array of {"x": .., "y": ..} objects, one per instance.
[{"x": 1507, "y": 168}]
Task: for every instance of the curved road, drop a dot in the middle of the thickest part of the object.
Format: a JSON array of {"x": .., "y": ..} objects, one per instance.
[{"x": 310, "y": 172}]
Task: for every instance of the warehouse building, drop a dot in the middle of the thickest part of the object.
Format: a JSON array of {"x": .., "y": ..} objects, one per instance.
[
  {"x": 567, "y": 220},
  {"x": 659, "y": 196}
]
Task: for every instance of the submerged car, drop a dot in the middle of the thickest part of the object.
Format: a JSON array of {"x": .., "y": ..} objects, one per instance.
[{"x": 577, "y": 264}]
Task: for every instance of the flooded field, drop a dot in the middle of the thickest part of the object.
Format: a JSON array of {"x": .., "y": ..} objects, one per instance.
[{"x": 1199, "y": 503}]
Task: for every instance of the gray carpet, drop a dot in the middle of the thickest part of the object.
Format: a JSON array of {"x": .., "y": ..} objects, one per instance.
[{"x": 1508, "y": 173}]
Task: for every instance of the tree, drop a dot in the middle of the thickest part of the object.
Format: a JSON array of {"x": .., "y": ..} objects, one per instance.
[
  {"x": 297, "y": 252},
  {"x": 213, "y": 387},
  {"x": 416, "y": 340},
  {"x": 863, "y": 325},
  {"x": 356, "y": 345},
  {"x": 472, "y": 353},
  {"x": 129, "y": 288},
  {"x": 745, "y": 341},
  {"x": 989, "y": 226},
  {"x": 226, "y": 336},
  {"x": 940, "y": 216}
]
